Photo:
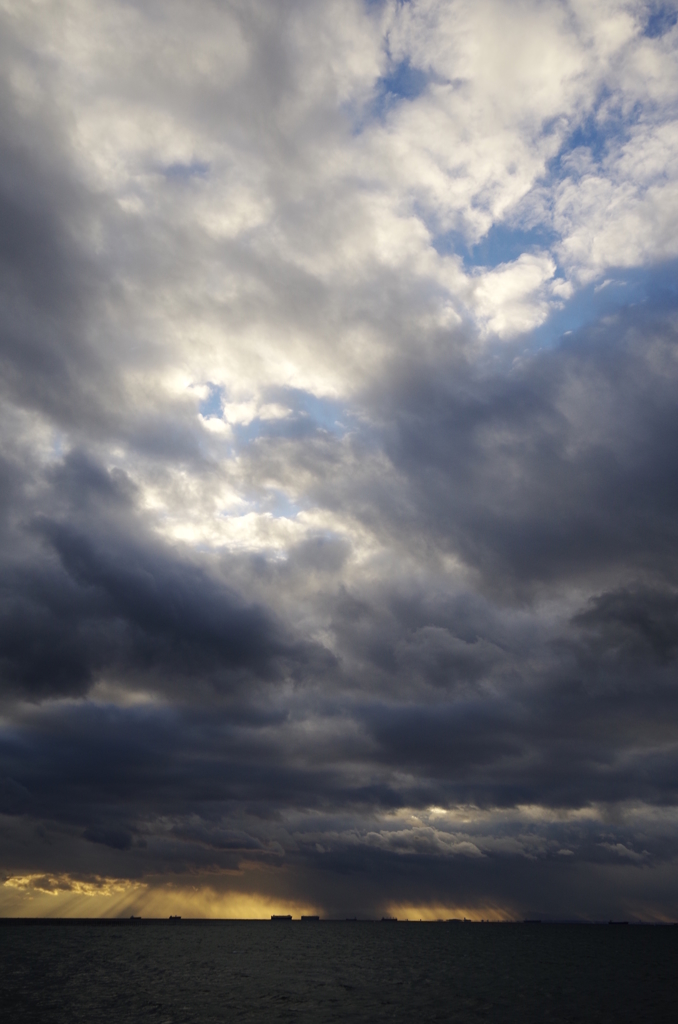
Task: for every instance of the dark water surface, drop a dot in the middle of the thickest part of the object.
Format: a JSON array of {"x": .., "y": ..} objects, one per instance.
[{"x": 335, "y": 971}]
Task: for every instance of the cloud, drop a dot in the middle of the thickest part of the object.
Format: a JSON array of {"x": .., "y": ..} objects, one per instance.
[
  {"x": 99, "y": 597},
  {"x": 337, "y": 474},
  {"x": 556, "y": 469}
]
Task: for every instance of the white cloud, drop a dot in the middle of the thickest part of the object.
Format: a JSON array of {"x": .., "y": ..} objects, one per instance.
[
  {"x": 263, "y": 225},
  {"x": 513, "y": 297}
]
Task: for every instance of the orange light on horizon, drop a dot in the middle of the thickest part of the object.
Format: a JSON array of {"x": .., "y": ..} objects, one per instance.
[{"x": 50, "y": 895}]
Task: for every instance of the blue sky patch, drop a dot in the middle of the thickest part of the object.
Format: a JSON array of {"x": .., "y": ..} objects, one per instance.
[
  {"x": 323, "y": 412},
  {"x": 595, "y": 134},
  {"x": 213, "y": 404},
  {"x": 404, "y": 81},
  {"x": 280, "y": 506},
  {"x": 622, "y": 286},
  {"x": 661, "y": 21},
  {"x": 501, "y": 244},
  {"x": 183, "y": 172},
  {"x": 308, "y": 415}
]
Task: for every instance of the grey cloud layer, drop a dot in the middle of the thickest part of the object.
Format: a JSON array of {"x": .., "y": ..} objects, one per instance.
[
  {"x": 395, "y": 618},
  {"x": 428, "y": 698}
]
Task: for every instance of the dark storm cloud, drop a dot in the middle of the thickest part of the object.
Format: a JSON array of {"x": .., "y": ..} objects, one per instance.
[
  {"x": 47, "y": 284},
  {"x": 559, "y": 471},
  {"x": 97, "y": 594},
  {"x": 631, "y": 626},
  {"x": 558, "y": 477},
  {"x": 562, "y": 468},
  {"x": 568, "y": 749},
  {"x": 179, "y": 615},
  {"x": 135, "y": 792}
]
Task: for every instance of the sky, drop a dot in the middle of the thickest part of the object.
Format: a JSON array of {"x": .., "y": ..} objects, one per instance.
[{"x": 338, "y": 458}]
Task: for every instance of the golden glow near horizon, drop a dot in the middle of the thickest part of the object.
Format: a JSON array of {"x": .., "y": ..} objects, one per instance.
[
  {"x": 36, "y": 895},
  {"x": 61, "y": 896},
  {"x": 40, "y": 895},
  {"x": 438, "y": 912}
]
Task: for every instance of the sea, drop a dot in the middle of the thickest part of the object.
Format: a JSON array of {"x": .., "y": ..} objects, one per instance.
[{"x": 176, "y": 972}]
